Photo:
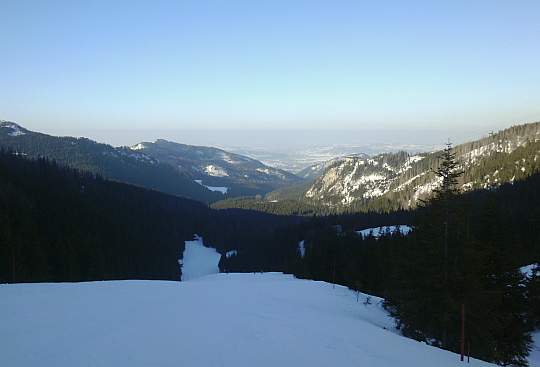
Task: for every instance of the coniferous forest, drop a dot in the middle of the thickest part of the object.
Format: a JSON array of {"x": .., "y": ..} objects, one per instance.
[{"x": 61, "y": 224}]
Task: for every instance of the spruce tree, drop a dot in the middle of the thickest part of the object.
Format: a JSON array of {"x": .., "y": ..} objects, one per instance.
[{"x": 445, "y": 266}]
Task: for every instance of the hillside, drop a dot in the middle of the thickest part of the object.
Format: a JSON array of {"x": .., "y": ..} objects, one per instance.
[
  {"x": 120, "y": 164},
  {"x": 240, "y": 175},
  {"x": 391, "y": 181},
  {"x": 317, "y": 170},
  {"x": 202, "y": 173},
  {"x": 227, "y": 320},
  {"x": 60, "y": 224}
]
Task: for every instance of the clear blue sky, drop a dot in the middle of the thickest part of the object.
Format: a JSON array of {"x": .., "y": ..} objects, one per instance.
[{"x": 375, "y": 65}]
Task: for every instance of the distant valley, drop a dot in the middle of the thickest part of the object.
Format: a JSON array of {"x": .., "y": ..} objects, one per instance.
[
  {"x": 214, "y": 167},
  {"x": 298, "y": 160}
]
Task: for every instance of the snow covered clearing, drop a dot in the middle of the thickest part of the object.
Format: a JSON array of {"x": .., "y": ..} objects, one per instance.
[
  {"x": 528, "y": 270},
  {"x": 216, "y": 171},
  {"x": 302, "y": 248},
  {"x": 199, "y": 260},
  {"x": 221, "y": 189}
]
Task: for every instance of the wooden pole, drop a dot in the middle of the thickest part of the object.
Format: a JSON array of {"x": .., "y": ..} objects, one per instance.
[
  {"x": 13, "y": 258},
  {"x": 334, "y": 283},
  {"x": 462, "y": 331}
]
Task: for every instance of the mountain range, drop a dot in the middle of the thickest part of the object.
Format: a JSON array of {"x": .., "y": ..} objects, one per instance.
[
  {"x": 201, "y": 173},
  {"x": 352, "y": 182}
]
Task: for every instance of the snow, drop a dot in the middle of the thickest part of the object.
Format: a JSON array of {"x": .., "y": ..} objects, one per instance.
[
  {"x": 138, "y": 146},
  {"x": 216, "y": 171},
  {"x": 426, "y": 188},
  {"x": 380, "y": 231},
  {"x": 221, "y": 189},
  {"x": 266, "y": 319},
  {"x": 528, "y": 270},
  {"x": 302, "y": 248},
  {"x": 266, "y": 171},
  {"x": 534, "y": 358},
  {"x": 199, "y": 260},
  {"x": 227, "y": 158},
  {"x": 16, "y": 130}
]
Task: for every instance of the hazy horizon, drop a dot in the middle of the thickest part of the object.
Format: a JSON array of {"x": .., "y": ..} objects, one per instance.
[{"x": 281, "y": 140}]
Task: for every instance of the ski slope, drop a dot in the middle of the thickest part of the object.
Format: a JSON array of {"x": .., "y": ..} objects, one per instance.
[
  {"x": 228, "y": 320},
  {"x": 198, "y": 260},
  {"x": 224, "y": 320}
]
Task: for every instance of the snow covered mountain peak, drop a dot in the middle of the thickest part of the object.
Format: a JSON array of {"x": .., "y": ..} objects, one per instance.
[{"x": 17, "y": 130}]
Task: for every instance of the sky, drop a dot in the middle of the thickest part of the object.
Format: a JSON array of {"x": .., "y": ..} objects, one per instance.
[{"x": 127, "y": 71}]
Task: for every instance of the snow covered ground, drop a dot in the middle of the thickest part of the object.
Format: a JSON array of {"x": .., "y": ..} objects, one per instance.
[
  {"x": 233, "y": 320},
  {"x": 227, "y": 320},
  {"x": 534, "y": 358}
]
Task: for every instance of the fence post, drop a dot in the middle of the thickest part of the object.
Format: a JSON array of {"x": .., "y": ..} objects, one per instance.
[
  {"x": 334, "y": 283},
  {"x": 462, "y": 331},
  {"x": 13, "y": 258}
]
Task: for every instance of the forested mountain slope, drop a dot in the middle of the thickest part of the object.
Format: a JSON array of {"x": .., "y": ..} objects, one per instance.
[
  {"x": 120, "y": 164},
  {"x": 240, "y": 175},
  {"x": 58, "y": 224},
  {"x": 391, "y": 181},
  {"x": 317, "y": 170},
  {"x": 61, "y": 224}
]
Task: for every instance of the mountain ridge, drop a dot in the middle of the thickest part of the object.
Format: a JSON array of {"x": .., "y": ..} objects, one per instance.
[
  {"x": 217, "y": 167},
  {"x": 388, "y": 181},
  {"x": 404, "y": 178},
  {"x": 115, "y": 163},
  {"x": 152, "y": 168}
]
